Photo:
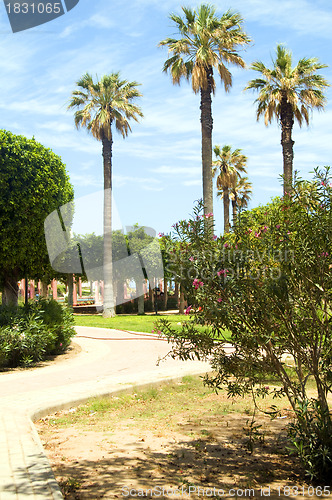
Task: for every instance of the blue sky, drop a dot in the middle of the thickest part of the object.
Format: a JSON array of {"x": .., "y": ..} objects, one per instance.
[{"x": 157, "y": 169}]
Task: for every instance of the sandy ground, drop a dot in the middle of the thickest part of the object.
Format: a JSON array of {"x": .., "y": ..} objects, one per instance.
[{"x": 192, "y": 459}]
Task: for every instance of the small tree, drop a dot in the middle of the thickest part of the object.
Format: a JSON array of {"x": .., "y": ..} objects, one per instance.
[
  {"x": 270, "y": 284},
  {"x": 33, "y": 183}
]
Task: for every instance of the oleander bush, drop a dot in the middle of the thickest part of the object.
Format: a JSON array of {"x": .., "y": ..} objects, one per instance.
[
  {"x": 29, "y": 334},
  {"x": 269, "y": 282}
]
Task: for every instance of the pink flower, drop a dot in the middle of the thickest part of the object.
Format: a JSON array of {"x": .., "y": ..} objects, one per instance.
[
  {"x": 278, "y": 226},
  {"x": 191, "y": 259},
  {"x": 236, "y": 247},
  {"x": 187, "y": 311},
  {"x": 324, "y": 254},
  {"x": 249, "y": 230},
  {"x": 161, "y": 235},
  {"x": 209, "y": 215},
  {"x": 226, "y": 245},
  {"x": 265, "y": 229},
  {"x": 222, "y": 272},
  {"x": 61, "y": 344},
  {"x": 215, "y": 236},
  {"x": 197, "y": 283},
  {"x": 219, "y": 300}
]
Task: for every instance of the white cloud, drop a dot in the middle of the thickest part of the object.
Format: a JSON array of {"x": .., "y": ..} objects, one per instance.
[
  {"x": 145, "y": 183},
  {"x": 171, "y": 170},
  {"x": 300, "y": 16},
  {"x": 193, "y": 182}
]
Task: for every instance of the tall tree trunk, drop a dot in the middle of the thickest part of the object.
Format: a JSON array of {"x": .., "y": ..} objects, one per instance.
[
  {"x": 109, "y": 309},
  {"x": 287, "y": 122},
  {"x": 151, "y": 295},
  {"x": 226, "y": 209},
  {"x": 176, "y": 294},
  {"x": 206, "y": 127},
  {"x": 10, "y": 290},
  {"x": 234, "y": 210},
  {"x": 70, "y": 283},
  {"x": 165, "y": 294},
  {"x": 140, "y": 295},
  {"x": 182, "y": 301}
]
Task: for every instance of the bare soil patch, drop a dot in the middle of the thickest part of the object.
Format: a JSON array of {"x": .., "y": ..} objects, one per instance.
[{"x": 195, "y": 451}]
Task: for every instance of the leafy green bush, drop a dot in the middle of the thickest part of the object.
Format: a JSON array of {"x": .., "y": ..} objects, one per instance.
[
  {"x": 270, "y": 283},
  {"x": 28, "y": 335}
]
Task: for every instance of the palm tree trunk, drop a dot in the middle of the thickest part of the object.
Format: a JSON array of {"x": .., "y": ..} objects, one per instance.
[
  {"x": 226, "y": 210},
  {"x": 234, "y": 210},
  {"x": 287, "y": 122},
  {"x": 109, "y": 309},
  {"x": 206, "y": 127}
]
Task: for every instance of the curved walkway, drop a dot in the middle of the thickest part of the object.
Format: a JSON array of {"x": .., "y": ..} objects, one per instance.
[{"x": 110, "y": 361}]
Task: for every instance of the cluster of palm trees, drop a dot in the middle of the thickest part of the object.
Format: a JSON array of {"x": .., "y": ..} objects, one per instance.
[
  {"x": 206, "y": 43},
  {"x": 229, "y": 166}
]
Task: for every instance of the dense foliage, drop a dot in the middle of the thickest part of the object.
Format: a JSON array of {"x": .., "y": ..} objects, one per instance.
[
  {"x": 29, "y": 334},
  {"x": 33, "y": 183},
  {"x": 270, "y": 283}
]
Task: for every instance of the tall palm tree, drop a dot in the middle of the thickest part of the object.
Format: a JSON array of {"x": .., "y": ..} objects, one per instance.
[
  {"x": 230, "y": 165},
  {"x": 287, "y": 93},
  {"x": 206, "y": 42},
  {"x": 99, "y": 105},
  {"x": 240, "y": 193}
]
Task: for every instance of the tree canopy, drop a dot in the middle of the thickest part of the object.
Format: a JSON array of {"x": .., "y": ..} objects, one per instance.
[{"x": 33, "y": 183}]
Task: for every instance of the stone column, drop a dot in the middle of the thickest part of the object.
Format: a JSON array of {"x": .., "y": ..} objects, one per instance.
[
  {"x": 74, "y": 292},
  {"x": 97, "y": 292},
  {"x": 32, "y": 289},
  {"x": 55, "y": 289}
]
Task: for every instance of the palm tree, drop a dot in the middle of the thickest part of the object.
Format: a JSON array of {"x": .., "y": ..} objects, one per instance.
[
  {"x": 240, "y": 193},
  {"x": 99, "y": 105},
  {"x": 288, "y": 93},
  {"x": 230, "y": 164},
  {"x": 206, "y": 42}
]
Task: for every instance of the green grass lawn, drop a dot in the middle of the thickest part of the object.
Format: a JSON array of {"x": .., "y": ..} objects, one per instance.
[{"x": 133, "y": 323}]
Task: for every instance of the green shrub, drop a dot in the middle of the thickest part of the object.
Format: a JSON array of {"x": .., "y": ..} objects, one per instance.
[
  {"x": 269, "y": 282},
  {"x": 312, "y": 440},
  {"x": 29, "y": 334}
]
